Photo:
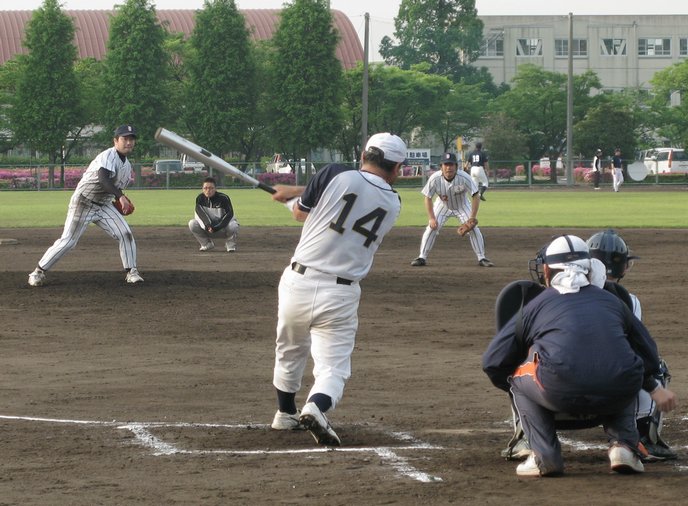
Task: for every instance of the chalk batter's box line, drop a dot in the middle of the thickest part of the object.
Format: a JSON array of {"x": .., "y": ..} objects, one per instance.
[{"x": 145, "y": 438}]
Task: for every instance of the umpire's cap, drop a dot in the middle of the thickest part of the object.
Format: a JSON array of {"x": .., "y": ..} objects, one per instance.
[
  {"x": 567, "y": 249},
  {"x": 449, "y": 158},
  {"x": 125, "y": 131}
]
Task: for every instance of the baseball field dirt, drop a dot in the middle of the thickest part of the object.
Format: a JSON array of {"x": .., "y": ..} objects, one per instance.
[{"x": 160, "y": 393}]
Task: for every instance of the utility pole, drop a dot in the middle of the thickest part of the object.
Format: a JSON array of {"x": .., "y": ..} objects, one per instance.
[
  {"x": 364, "y": 98},
  {"x": 569, "y": 110}
]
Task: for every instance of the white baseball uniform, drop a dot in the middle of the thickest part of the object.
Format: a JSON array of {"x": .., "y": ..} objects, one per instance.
[
  {"x": 90, "y": 203},
  {"x": 453, "y": 199},
  {"x": 617, "y": 172},
  {"x": 349, "y": 213}
]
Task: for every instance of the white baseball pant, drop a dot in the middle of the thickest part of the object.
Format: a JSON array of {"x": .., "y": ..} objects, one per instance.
[
  {"x": 618, "y": 179},
  {"x": 442, "y": 214},
  {"x": 316, "y": 315},
  {"x": 203, "y": 236},
  {"x": 80, "y": 213},
  {"x": 478, "y": 175}
]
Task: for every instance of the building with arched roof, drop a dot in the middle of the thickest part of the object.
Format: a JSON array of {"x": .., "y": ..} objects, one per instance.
[{"x": 92, "y": 31}]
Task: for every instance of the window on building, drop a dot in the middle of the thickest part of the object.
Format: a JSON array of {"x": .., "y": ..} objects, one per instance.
[
  {"x": 654, "y": 47},
  {"x": 613, "y": 47},
  {"x": 493, "y": 46},
  {"x": 529, "y": 47},
  {"x": 561, "y": 47},
  {"x": 683, "y": 46}
]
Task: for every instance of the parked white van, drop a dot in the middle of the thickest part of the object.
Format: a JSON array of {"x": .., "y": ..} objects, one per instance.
[{"x": 665, "y": 160}]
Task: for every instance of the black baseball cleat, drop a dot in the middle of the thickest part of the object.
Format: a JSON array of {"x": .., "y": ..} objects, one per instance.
[
  {"x": 656, "y": 451},
  {"x": 482, "y": 197},
  {"x": 485, "y": 262},
  {"x": 418, "y": 262}
]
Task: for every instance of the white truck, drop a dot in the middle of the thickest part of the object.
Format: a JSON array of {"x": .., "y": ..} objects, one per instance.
[
  {"x": 191, "y": 165},
  {"x": 665, "y": 160}
]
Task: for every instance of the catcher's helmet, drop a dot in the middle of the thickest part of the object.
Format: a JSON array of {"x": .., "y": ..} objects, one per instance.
[{"x": 608, "y": 247}]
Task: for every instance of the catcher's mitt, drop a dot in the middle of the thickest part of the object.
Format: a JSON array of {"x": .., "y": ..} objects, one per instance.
[
  {"x": 467, "y": 227},
  {"x": 124, "y": 211}
]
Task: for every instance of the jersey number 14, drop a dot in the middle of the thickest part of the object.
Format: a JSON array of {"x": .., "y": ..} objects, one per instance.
[{"x": 376, "y": 216}]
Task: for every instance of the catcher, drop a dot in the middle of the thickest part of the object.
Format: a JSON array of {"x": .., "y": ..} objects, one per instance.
[
  {"x": 99, "y": 199},
  {"x": 453, "y": 188}
]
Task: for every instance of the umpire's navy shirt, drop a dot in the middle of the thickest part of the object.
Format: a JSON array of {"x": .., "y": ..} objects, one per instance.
[{"x": 588, "y": 344}]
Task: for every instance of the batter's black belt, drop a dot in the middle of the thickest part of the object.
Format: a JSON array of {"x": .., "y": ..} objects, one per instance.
[{"x": 301, "y": 269}]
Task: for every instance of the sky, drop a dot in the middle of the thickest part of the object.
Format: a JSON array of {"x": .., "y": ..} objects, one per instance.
[{"x": 383, "y": 12}]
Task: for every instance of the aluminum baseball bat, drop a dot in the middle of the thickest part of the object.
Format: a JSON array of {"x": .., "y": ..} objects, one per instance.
[{"x": 203, "y": 155}]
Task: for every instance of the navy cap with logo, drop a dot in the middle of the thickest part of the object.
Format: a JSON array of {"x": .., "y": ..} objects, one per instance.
[
  {"x": 125, "y": 131},
  {"x": 449, "y": 158}
]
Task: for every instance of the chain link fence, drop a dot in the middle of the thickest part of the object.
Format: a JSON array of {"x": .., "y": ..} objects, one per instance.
[{"x": 501, "y": 174}]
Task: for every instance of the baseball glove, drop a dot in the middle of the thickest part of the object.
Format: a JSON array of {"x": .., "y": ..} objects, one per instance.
[
  {"x": 118, "y": 205},
  {"x": 467, "y": 227}
]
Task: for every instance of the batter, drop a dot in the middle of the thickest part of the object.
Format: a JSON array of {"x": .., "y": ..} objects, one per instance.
[
  {"x": 346, "y": 214},
  {"x": 92, "y": 202}
]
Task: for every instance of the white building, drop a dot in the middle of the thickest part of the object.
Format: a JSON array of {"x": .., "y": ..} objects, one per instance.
[{"x": 624, "y": 51}]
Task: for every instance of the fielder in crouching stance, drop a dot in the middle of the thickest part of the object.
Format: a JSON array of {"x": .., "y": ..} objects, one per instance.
[
  {"x": 213, "y": 218},
  {"x": 346, "y": 214},
  {"x": 575, "y": 349},
  {"x": 457, "y": 195},
  {"x": 92, "y": 202}
]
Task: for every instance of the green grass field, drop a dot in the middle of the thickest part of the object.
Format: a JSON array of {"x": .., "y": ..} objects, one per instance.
[{"x": 508, "y": 208}]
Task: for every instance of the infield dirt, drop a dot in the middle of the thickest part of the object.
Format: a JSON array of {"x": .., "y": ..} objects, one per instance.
[{"x": 193, "y": 344}]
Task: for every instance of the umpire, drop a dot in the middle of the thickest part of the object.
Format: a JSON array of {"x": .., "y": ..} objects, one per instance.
[{"x": 581, "y": 352}]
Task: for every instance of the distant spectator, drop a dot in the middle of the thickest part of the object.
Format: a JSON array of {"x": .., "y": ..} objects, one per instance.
[{"x": 597, "y": 169}]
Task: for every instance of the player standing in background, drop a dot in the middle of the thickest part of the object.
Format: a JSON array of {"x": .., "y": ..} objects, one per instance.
[
  {"x": 346, "y": 214},
  {"x": 597, "y": 169},
  {"x": 92, "y": 202},
  {"x": 608, "y": 247},
  {"x": 214, "y": 217},
  {"x": 617, "y": 170},
  {"x": 457, "y": 196},
  {"x": 479, "y": 165}
]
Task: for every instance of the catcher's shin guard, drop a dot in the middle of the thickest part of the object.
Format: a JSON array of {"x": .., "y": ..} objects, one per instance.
[{"x": 650, "y": 427}]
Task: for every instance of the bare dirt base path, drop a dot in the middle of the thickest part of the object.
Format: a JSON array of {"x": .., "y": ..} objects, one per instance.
[{"x": 161, "y": 393}]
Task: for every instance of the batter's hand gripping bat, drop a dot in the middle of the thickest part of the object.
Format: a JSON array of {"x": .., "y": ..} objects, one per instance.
[{"x": 203, "y": 155}]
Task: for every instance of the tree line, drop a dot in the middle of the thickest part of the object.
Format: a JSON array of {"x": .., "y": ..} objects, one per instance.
[{"x": 247, "y": 99}]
